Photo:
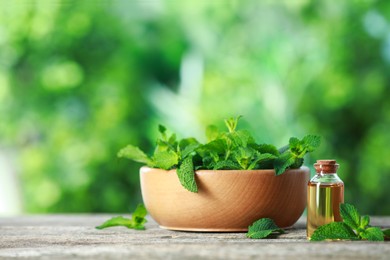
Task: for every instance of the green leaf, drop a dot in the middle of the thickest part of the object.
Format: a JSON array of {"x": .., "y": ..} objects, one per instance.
[
  {"x": 260, "y": 158},
  {"x": 226, "y": 165},
  {"x": 134, "y": 153},
  {"x": 188, "y": 147},
  {"x": 350, "y": 215},
  {"x": 267, "y": 148},
  {"x": 263, "y": 228},
  {"x": 284, "y": 149},
  {"x": 372, "y": 234},
  {"x": 138, "y": 217},
  {"x": 284, "y": 161},
  {"x": 231, "y": 123},
  {"x": 240, "y": 138},
  {"x": 311, "y": 142},
  {"x": 216, "y": 146},
  {"x": 212, "y": 133},
  {"x": 243, "y": 156},
  {"x": 333, "y": 231},
  {"x": 186, "y": 175},
  {"x": 165, "y": 159},
  {"x": 116, "y": 221},
  {"x": 137, "y": 220},
  {"x": 298, "y": 162},
  {"x": 300, "y": 147},
  {"x": 295, "y": 143},
  {"x": 162, "y": 129},
  {"x": 365, "y": 221}
]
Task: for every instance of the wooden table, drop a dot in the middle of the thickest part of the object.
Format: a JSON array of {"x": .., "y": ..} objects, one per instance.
[{"x": 74, "y": 237}]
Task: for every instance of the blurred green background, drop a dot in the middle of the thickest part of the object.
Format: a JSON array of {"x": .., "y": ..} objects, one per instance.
[{"x": 81, "y": 79}]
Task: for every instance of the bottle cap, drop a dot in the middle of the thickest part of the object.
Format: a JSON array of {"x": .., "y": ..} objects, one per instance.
[{"x": 326, "y": 166}]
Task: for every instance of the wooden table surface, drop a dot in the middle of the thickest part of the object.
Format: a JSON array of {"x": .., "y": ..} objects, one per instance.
[{"x": 74, "y": 237}]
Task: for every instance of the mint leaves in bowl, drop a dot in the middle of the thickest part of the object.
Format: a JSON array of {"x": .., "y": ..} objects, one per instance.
[{"x": 225, "y": 184}]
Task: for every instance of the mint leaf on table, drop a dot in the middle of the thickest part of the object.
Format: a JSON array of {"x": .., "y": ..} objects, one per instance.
[
  {"x": 372, "y": 234},
  {"x": 137, "y": 220},
  {"x": 353, "y": 227},
  {"x": 262, "y": 228},
  {"x": 350, "y": 215},
  {"x": 334, "y": 230},
  {"x": 365, "y": 220},
  {"x": 186, "y": 175}
]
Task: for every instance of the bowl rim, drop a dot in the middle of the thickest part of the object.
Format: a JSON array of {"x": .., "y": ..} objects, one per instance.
[{"x": 146, "y": 169}]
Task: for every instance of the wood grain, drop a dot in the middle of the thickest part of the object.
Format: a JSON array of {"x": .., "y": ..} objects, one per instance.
[{"x": 227, "y": 200}]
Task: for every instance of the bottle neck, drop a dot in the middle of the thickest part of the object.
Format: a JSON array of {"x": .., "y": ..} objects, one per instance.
[{"x": 326, "y": 178}]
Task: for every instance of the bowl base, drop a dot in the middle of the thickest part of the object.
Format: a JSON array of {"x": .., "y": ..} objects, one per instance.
[
  {"x": 205, "y": 230},
  {"x": 212, "y": 230}
]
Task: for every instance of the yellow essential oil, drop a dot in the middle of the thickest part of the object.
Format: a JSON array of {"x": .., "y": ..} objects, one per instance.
[{"x": 324, "y": 196}]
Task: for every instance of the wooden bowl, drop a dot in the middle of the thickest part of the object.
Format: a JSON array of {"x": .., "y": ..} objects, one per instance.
[{"x": 227, "y": 200}]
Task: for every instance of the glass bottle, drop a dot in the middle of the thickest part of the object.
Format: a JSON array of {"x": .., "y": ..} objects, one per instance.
[{"x": 325, "y": 193}]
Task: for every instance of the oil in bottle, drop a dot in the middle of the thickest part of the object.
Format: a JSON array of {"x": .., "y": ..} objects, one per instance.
[{"x": 324, "y": 195}]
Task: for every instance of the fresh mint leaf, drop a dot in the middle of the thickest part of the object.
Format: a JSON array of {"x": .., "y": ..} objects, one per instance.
[
  {"x": 284, "y": 149},
  {"x": 165, "y": 159},
  {"x": 300, "y": 147},
  {"x": 217, "y": 146},
  {"x": 372, "y": 234},
  {"x": 162, "y": 129},
  {"x": 298, "y": 162},
  {"x": 353, "y": 227},
  {"x": 259, "y": 159},
  {"x": 262, "y": 228},
  {"x": 186, "y": 175},
  {"x": 226, "y": 165},
  {"x": 284, "y": 161},
  {"x": 212, "y": 133},
  {"x": 188, "y": 146},
  {"x": 137, "y": 220},
  {"x": 231, "y": 123},
  {"x": 364, "y": 221},
  {"x": 295, "y": 144},
  {"x": 333, "y": 231},
  {"x": 350, "y": 215},
  {"x": 116, "y": 221},
  {"x": 311, "y": 142},
  {"x": 138, "y": 217},
  {"x": 240, "y": 138},
  {"x": 267, "y": 148},
  {"x": 134, "y": 153},
  {"x": 243, "y": 156}
]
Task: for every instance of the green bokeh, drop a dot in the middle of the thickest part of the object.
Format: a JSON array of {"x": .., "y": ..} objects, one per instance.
[{"x": 79, "y": 80}]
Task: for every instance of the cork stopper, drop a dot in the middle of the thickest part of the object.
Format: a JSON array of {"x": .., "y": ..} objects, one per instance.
[{"x": 326, "y": 166}]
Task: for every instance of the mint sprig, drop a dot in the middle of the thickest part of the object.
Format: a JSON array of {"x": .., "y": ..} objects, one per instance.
[
  {"x": 137, "y": 220},
  {"x": 225, "y": 150},
  {"x": 263, "y": 228},
  {"x": 353, "y": 227}
]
